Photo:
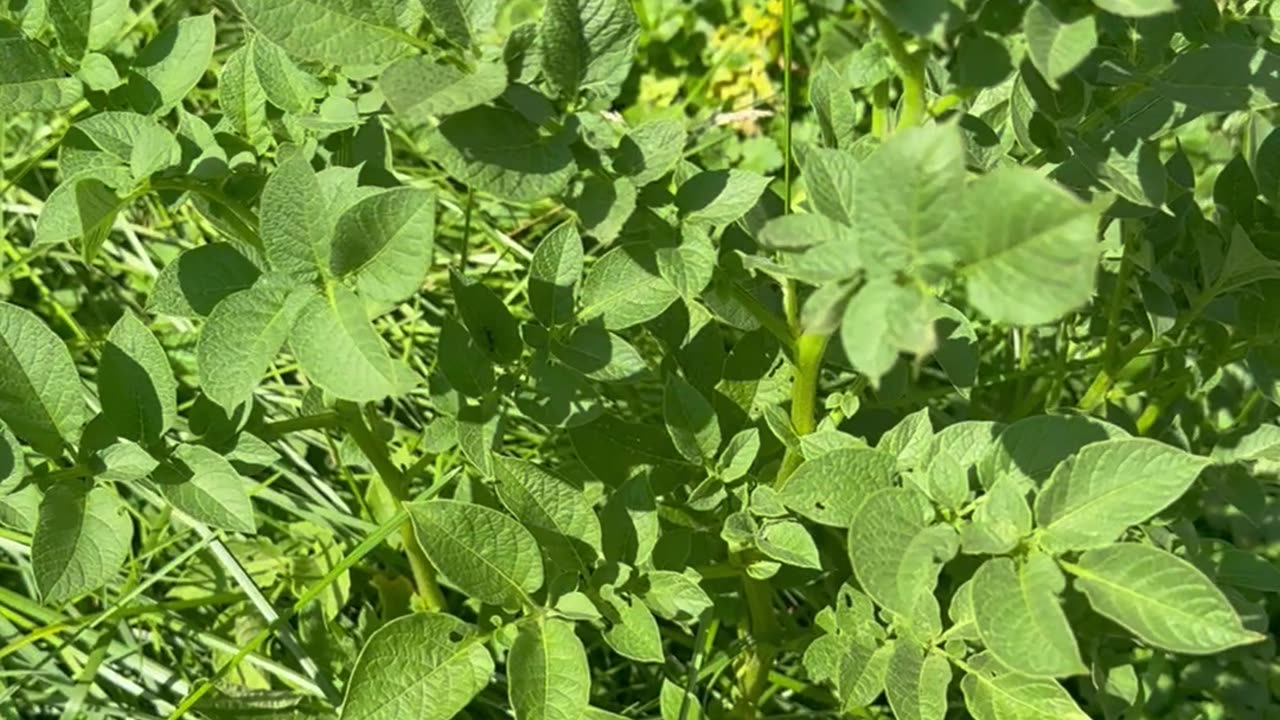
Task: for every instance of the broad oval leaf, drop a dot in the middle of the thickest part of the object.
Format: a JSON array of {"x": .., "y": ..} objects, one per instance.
[
  {"x": 554, "y": 273},
  {"x": 830, "y": 489},
  {"x": 1012, "y": 696},
  {"x": 719, "y": 197},
  {"x": 419, "y": 88},
  {"x": 1027, "y": 451},
  {"x": 81, "y": 540},
  {"x": 198, "y": 279},
  {"x": 897, "y": 552},
  {"x": 32, "y": 80},
  {"x": 242, "y": 337},
  {"x": 916, "y": 683},
  {"x": 204, "y": 485},
  {"x": 587, "y": 45},
  {"x": 1019, "y": 617},
  {"x": 547, "y": 673},
  {"x": 171, "y": 64},
  {"x": 1035, "y": 259},
  {"x": 556, "y": 512},
  {"x": 293, "y": 218},
  {"x": 136, "y": 386},
  {"x": 489, "y": 556},
  {"x": 340, "y": 350},
  {"x": 691, "y": 421},
  {"x": 499, "y": 152},
  {"x": 384, "y": 242},
  {"x": 40, "y": 395},
  {"x": 624, "y": 288},
  {"x": 426, "y": 667},
  {"x": 1057, "y": 41},
  {"x": 343, "y": 32},
  {"x": 1094, "y": 495},
  {"x": 1161, "y": 598}
]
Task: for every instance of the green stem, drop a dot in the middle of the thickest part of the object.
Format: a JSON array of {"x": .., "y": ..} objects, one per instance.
[
  {"x": 911, "y": 71},
  {"x": 880, "y": 110},
  {"x": 322, "y": 420},
  {"x": 788, "y": 10},
  {"x": 804, "y": 398},
  {"x": 424, "y": 574}
]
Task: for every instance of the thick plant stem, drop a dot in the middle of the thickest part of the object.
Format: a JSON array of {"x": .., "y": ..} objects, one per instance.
[
  {"x": 424, "y": 574},
  {"x": 911, "y": 71},
  {"x": 804, "y": 397}
]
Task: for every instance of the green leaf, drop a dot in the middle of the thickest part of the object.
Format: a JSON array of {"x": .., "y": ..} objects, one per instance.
[
  {"x": 600, "y": 355},
  {"x": 631, "y": 630},
  {"x": 831, "y": 180},
  {"x": 171, "y": 64},
  {"x": 832, "y": 101},
  {"x": 123, "y": 462},
  {"x": 1222, "y": 77},
  {"x": 1058, "y": 40},
  {"x": 1093, "y": 496},
  {"x": 897, "y": 552},
  {"x": 81, "y": 539},
  {"x": 676, "y": 596},
  {"x": 677, "y": 703},
  {"x": 1244, "y": 264},
  {"x": 881, "y": 321},
  {"x": 789, "y": 543},
  {"x": 287, "y": 86},
  {"x": 419, "y": 88},
  {"x": 242, "y": 98},
  {"x": 13, "y": 466},
  {"x": 909, "y": 440},
  {"x": 384, "y": 242},
  {"x": 242, "y": 337},
  {"x": 136, "y": 386},
  {"x": 1018, "y": 612},
  {"x": 488, "y": 319},
  {"x": 547, "y": 673},
  {"x": 82, "y": 208},
  {"x": 202, "y": 484},
  {"x": 1162, "y": 599},
  {"x": 195, "y": 282},
  {"x": 32, "y": 80},
  {"x": 690, "y": 265},
  {"x": 952, "y": 454},
  {"x": 82, "y": 25},
  {"x": 720, "y": 197},
  {"x": 293, "y": 218},
  {"x": 127, "y": 138},
  {"x": 830, "y": 489},
  {"x": 906, "y": 205},
  {"x": 1026, "y": 452},
  {"x": 587, "y": 45},
  {"x": 629, "y": 522},
  {"x": 926, "y": 18},
  {"x": 460, "y": 20},
  {"x": 489, "y": 556},
  {"x": 340, "y": 350},
  {"x": 463, "y": 363},
  {"x": 739, "y": 454},
  {"x": 342, "y": 32},
  {"x": 556, "y": 512},
  {"x": 650, "y": 150},
  {"x": 1137, "y": 8},
  {"x": 691, "y": 421},
  {"x": 499, "y": 152},
  {"x": 554, "y": 273},
  {"x": 1001, "y": 520},
  {"x": 1033, "y": 261},
  {"x": 424, "y": 666},
  {"x": 1012, "y": 696},
  {"x": 41, "y": 400},
  {"x": 916, "y": 683},
  {"x": 624, "y": 288},
  {"x": 603, "y": 206}
]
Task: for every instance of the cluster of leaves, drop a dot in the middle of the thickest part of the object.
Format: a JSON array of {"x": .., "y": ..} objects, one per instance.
[{"x": 971, "y": 407}]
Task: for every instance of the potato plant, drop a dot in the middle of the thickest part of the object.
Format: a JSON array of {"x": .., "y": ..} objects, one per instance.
[{"x": 399, "y": 360}]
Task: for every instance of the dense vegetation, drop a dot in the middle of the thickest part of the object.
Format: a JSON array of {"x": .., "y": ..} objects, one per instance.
[{"x": 586, "y": 359}]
